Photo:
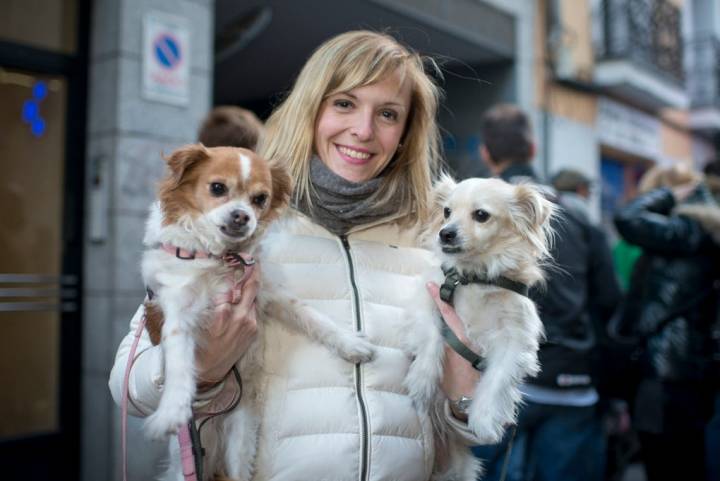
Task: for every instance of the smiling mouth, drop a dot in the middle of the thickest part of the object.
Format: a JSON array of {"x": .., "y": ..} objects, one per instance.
[
  {"x": 353, "y": 155},
  {"x": 451, "y": 249}
]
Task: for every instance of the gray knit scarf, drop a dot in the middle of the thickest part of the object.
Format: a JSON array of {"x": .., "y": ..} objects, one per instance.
[{"x": 338, "y": 204}]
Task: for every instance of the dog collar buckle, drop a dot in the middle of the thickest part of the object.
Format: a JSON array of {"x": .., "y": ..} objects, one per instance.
[{"x": 179, "y": 253}]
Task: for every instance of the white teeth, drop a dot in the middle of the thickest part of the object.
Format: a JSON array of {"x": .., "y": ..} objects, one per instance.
[{"x": 353, "y": 153}]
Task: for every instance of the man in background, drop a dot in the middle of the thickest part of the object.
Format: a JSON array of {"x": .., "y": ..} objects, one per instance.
[{"x": 559, "y": 433}]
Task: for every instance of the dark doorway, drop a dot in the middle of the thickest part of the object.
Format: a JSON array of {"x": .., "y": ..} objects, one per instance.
[{"x": 43, "y": 70}]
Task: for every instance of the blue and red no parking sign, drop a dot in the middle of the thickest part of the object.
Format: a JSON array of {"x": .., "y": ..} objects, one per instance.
[
  {"x": 166, "y": 71},
  {"x": 167, "y": 50}
]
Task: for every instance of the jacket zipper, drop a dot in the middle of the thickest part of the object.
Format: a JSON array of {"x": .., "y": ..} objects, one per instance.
[{"x": 365, "y": 428}]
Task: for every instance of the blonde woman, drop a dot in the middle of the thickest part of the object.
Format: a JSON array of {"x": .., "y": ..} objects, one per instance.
[{"x": 359, "y": 134}]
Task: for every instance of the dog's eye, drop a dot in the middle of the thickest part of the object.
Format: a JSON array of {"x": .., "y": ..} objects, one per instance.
[
  {"x": 481, "y": 215},
  {"x": 259, "y": 200},
  {"x": 218, "y": 189},
  {"x": 447, "y": 212}
]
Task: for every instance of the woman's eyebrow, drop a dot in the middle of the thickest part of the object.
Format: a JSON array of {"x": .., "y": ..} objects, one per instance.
[
  {"x": 347, "y": 94},
  {"x": 384, "y": 104}
]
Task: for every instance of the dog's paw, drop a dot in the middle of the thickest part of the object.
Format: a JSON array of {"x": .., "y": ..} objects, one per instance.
[
  {"x": 166, "y": 421},
  {"x": 488, "y": 429},
  {"x": 421, "y": 387},
  {"x": 355, "y": 348}
]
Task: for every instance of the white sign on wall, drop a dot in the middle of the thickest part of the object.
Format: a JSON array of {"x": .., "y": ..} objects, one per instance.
[
  {"x": 628, "y": 129},
  {"x": 166, "y": 58}
]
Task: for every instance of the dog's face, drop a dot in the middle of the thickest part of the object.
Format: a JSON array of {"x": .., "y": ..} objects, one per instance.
[
  {"x": 482, "y": 218},
  {"x": 226, "y": 192}
]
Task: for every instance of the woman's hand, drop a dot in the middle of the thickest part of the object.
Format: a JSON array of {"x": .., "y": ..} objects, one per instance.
[
  {"x": 231, "y": 332},
  {"x": 460, "y": 377}
]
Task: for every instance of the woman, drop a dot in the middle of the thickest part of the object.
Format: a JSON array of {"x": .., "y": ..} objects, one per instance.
[
  {"x": 672, "y": 305},
  {"x": 358, "y": 131}
]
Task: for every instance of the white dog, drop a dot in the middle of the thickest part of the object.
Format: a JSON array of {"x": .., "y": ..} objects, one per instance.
[
  {"x": 214, "y": 204},
  {"x": 492, "y": 238}
]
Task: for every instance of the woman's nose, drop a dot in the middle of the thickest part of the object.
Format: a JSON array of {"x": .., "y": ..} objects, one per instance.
[{"x": 363, "y": 127}]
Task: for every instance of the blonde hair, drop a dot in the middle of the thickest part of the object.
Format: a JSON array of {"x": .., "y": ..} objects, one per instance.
[
  {"x": 667, "y": 176},
  {"x": 347, "y": 61}
]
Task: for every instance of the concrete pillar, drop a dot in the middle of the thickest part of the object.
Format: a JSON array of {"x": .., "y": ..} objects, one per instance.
[{"x": 127, "y": 135}]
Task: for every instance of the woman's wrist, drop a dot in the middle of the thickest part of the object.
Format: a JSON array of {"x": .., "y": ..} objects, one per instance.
[
  {"x": 204, "y": 386},
  {"x": 209, "y": 378}
]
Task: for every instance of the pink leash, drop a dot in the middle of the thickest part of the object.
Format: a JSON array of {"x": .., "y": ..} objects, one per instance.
[
  {"x": 125, "y": 395},
  {"x": 186, "y": 453},
  {"x": 184, "y": 438}
]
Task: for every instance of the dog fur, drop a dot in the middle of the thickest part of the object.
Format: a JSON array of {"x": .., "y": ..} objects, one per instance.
[
  {"x": 498, "y": 229},
  {"x": 219, "y": 200}
]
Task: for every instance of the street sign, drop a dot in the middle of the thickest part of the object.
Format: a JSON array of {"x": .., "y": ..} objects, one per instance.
[{"x": 166, "y": 59}]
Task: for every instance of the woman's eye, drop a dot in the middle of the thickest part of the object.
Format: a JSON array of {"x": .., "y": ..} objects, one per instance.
[
  {"x": 481, "y": 215},
  {"x": 389, "y": 115},
  {"x": 447, "y": 212},
  {"x": 218, "y": 189},
  {"x": 343, "y": 104},
  {"x": 259, "y": 200}
]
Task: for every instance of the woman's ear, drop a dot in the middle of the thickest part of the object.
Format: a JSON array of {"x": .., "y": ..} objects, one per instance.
[{"x": 180, "y": 160}]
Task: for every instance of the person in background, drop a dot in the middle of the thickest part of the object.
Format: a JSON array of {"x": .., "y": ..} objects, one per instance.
[
  {"x": 559, "y": 432},
  {"x": 572, "y": 181},
  {"x": 712, "y": 432},
  {"x": 358, "y": 131},
  {"x": 573, "y": 188},
  {"x": 712, "y": 178},
  {"x": 672, "y": 305},
  {"x": 231, "y": 126}
]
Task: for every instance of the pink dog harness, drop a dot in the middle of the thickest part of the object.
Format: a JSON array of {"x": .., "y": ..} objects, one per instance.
[{"x": 190, "y": 465}]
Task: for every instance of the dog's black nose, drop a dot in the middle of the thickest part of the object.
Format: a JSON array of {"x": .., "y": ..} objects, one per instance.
[
  {"x": 239, "y": 217},
  {"x": 448, "y": 235}
]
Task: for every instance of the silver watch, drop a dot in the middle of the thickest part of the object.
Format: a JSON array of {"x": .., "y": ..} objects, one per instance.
[{"x": 461, "y": 405}]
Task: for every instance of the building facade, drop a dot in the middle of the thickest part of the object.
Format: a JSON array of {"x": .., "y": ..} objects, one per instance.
[{"x": 626, "y": 85}]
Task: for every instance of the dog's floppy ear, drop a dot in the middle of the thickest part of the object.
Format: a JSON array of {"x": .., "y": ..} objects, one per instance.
[
  {"x": 531, "y": 213},
  {"x": 184, "y": 158},
  {"x": 531, "y": 206},
  {"x": 281, "y": 186},
  {"x": 442, "y": 189}
]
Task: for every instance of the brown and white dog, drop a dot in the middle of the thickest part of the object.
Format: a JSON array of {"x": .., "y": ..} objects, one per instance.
[{"x": 214, "y": 202}]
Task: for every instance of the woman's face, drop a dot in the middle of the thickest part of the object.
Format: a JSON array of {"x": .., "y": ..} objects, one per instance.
[{"x": 357, "y": 132}]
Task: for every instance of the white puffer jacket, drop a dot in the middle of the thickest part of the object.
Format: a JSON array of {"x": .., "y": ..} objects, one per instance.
[{"x": 324, "y": 418}]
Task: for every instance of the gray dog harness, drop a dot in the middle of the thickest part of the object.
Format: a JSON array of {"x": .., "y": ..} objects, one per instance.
[{"x": 453, "y": 279}]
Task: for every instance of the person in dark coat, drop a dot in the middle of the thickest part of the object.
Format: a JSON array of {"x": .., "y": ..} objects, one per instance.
[
  {"x": 559, "y": 433},
  {"x": 672, "y": 304}
]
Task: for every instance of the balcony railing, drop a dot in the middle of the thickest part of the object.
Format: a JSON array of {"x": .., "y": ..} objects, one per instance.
[
  {"x": 704, "y": 75},
  {"x": 646, "y": 32}
]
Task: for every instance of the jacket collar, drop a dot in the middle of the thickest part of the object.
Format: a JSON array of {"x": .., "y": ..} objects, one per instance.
[{"x": 518, "y": 172}]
